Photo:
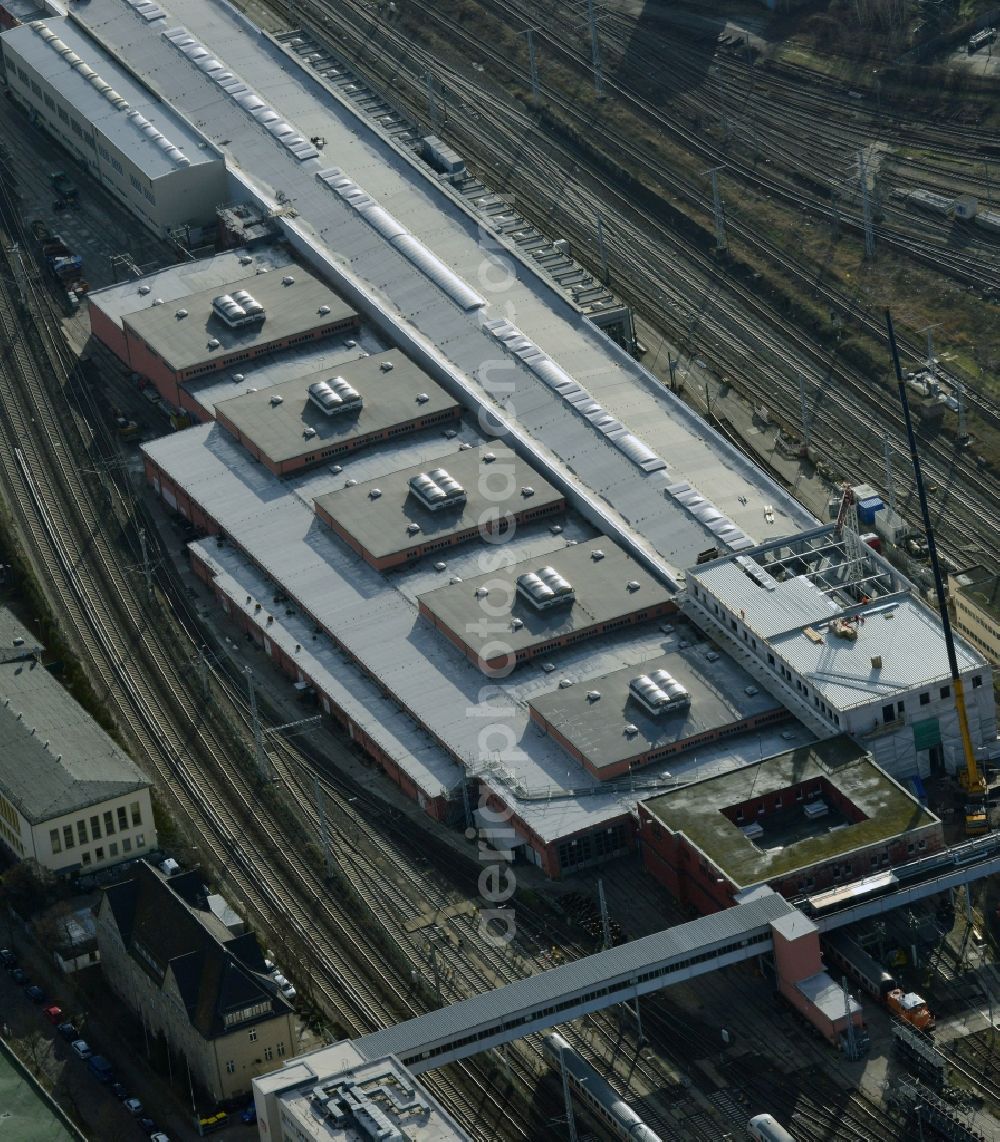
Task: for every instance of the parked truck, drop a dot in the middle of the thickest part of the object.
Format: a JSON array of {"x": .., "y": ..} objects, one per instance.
[{"x": 63, "y": 187}]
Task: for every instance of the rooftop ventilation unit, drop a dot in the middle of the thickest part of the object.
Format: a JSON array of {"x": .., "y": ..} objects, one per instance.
[
  {"x": 812, "y": 810},
  {"x": 545, "y": 588},
  {"x": 436, "y": 489},
  {"x": 237, "y": 309},
  {"x": 334, "y": 396},
  {"x": 659, "y": 693},
  {"x": 182, "y": 313}
]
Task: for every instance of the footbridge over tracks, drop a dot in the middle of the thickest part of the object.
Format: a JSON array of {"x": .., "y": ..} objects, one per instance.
[
  {"x": 556, "y": 996},
  {"x": 684, "y": 952},
  {"x": 904, "y": 884}
]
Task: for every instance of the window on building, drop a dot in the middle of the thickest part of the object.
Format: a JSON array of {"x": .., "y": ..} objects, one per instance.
[
  {"x": 24, "y": 76},
  {"x": 253, "y": 1034},
  {"x": 95, "y": 828},
  {"x": 55, "y": 840},
  {"x": 140, "y": 841},
  {"x": 122, "y": 818},
  {"x": 81, "y": 831},
  {"x": 127, "y": 845},
  {"x": 149, "y": 194},
  {"x": 889, "y": 713},
  {"x": 36, "y": 89},
  {"x": 68, "y": 841},
  {"x": 135, "y": 182},
  {"x": 945, "y": 691},
  {"x": 85, "y": 858},
  {"x": 109, "y": 823},
  {"x": 135, "y": 814},
  {"x": 63, "y": 114},
  {"x": 268, "y": 1054},
  {"x": 99, "y": 853},
  {"x": 280, "y": 1049},
  {"x": 117, "y": 166},
  {"x": 977, "y": 681},
  {"x": 49, "y": 102},
  {"x": 77, "y": 130},
  {"x": 925, "y": 698},
  {"x": 231, "y": 1066}
]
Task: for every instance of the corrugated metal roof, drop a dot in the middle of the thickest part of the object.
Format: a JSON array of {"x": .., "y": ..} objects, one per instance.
[{"x": 621, "y": 963}]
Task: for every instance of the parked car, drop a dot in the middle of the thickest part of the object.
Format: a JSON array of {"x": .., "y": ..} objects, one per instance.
[
  {"x": 53, "y": 1013},
  {"x": 288, "y": 990},
  {"x": 81, "y": 1048},
  {"x": 133, "y": 1106},
  {"x": 68, "y": 1031},
  {"x": 19, "y": 976},
  {"x": 35, "y": 993},
  {"x": 147, "y": 1126},
  {"x": 7, "y": 958},
  {"x": 158, "y": 1137},
  {"x": 100, "y": 1068},
  {"x": 119, "y": 1090},
  {"x": 279, "y": 979}
]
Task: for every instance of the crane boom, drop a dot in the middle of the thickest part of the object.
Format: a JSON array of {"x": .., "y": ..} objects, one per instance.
[{"x": 971, "y": 780}]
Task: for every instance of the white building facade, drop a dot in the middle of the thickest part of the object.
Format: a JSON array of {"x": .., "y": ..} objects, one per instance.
[
  {"x": 150, "y": 159},
  {"x": 70, "y": 798},
  {"x": 848, "y": 645}
]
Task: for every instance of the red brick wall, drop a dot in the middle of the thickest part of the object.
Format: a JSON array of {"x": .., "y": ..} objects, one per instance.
[
  {"x": 142, "y": 361},
  {"x": 108, "y": 333},
  {"x": 677, "y": 866}
]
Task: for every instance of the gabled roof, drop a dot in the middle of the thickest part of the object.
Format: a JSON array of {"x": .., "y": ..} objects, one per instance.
[
  {"x": 55, "y": 758},
  {"x": 166, "y": 934}
]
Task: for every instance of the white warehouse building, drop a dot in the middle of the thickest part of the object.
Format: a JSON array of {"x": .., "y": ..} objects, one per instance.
[
  {"x": 134, "y": 144},
  {"x": 844, "y": 640}
]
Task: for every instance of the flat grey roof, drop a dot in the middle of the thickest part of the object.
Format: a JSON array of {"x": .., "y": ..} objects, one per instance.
[
  {"x": 597, "y": 728},
  {"x": 601, "y": 593},
  {"x": 696, "y": 811},
  {"x": 380, "y": 525},
  {"x": 260, "y": 373},
  {"x": 980, "y": 586},
  {"x": 389, "y": 398},
  {"x": 624, "y": 962},
  {"x": 118, "y": 124},
  {"x": 788, "y": 591},
  {"x": 289, "y": 310},
  {"x": 376, "y": 618},
  {"x": 823, "y": 993},
  {"x": 55, "y": 758},
  {"x": 186, "y": 278},
  {"x": 707, "y": 490}
]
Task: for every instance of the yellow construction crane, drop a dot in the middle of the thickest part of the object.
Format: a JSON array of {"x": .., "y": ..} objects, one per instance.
[{"x": 971, "y": 780}]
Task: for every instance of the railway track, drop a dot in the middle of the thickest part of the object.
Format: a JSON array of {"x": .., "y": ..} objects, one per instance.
[
  {"x": 67, "y": 532},
  {"x": 752, "y": 346}
]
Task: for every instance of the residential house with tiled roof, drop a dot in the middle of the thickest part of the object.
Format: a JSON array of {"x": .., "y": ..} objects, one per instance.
[{"x": 192, "y": 981}]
